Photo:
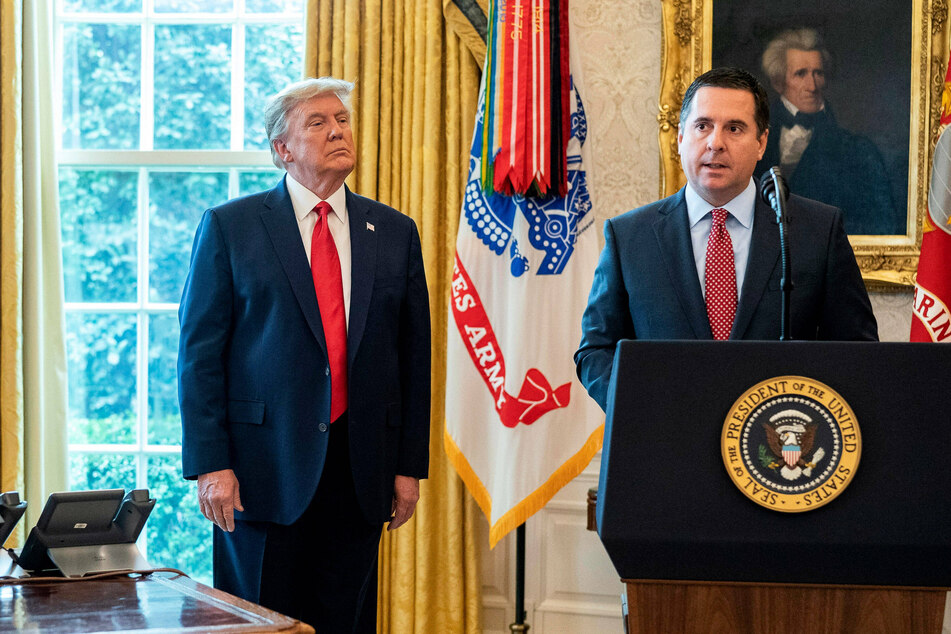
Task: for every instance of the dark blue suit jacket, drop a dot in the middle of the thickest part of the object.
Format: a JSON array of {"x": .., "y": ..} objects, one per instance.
[
  {"x": 646, "y": 284},
  {"x": 254, "y": 381}
]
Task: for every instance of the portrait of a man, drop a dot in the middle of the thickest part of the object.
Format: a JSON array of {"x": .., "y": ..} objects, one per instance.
[
  {"x": 840, "y": 89},
  {"x": 821, "y": 159}
]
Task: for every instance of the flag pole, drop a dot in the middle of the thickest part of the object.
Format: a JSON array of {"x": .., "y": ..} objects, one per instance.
[{"x": 520, "y": 625}]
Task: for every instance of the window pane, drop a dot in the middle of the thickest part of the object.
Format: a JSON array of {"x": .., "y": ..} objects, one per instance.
[
  {"x": 102, "y": 6},
  {"x": 192, "y": 87},
  {"x": 273, "y": 6},
  {"x": 257, "y": 181},
  {"x": 101, "y": 86},
  {"x": 272, "y": 58},
  {"x": 165, "y": 423},
  {"x": 101, "y": 471},
  {"x": 100, "y": 351},
  {"x": 178, "y": 535},
  {"x": 193, "y": 6},
  {"x": 98, "y": 218},
  {"x": 177, "y": 201}
]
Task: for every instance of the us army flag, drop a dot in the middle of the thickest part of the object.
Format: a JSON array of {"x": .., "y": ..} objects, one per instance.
[{"x": 519, "y": 425}]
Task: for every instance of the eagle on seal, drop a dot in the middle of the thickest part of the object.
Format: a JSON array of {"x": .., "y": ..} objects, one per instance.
[{"x": 791, "y": 435}]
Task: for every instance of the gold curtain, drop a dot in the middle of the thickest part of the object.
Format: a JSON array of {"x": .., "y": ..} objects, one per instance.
[
  {"x": 11, "y": 247},
  {"x": 32, "y": 331},
  {"x": 414, "y": 108}
]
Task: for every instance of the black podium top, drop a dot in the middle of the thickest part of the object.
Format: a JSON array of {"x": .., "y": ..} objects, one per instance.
[{"x": 667, "y": 508}]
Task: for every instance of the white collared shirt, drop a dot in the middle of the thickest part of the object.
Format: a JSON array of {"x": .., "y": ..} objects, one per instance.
[
  {"x": 739, "y": 224},
  {"x": 304, "y": 202},
  {"x": 793, "y": 141}
]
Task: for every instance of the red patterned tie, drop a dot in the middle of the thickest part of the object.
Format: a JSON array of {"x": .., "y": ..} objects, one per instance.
[
  {"x": 325, "y": 267},
  {"x": 720, "y": 277}
]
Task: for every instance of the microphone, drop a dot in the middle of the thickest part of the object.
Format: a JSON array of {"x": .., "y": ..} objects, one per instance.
[{"x": 773, "y": 189}]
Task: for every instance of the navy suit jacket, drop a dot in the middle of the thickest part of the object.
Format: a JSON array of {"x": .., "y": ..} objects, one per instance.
[
  {"x": 254, "y": 383},
  {"x": 646, "y": 284}
]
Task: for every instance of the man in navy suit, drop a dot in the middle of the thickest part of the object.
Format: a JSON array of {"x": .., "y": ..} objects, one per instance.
[
  {"x": 650, "y": 279},
  {"x": 305, "y": 442}
]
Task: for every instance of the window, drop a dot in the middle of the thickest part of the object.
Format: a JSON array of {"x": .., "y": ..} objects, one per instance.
[{"x": 159, "y": 110}]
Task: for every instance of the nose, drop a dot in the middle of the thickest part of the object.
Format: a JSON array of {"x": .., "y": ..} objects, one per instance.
[
  {"x": 811, "y": 82},
  {"x": 715, "y": 139}
]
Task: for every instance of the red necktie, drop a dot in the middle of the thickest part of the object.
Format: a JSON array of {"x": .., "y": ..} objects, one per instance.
[
  {"x": 325, "y": 267},
  {"x": 720, "y": 277}
]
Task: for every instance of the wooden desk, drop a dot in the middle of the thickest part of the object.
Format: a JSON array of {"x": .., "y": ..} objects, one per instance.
[{"x": 163, "y": 602}]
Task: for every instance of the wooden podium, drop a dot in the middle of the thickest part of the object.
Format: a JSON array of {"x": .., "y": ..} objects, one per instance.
[{"x": 698, "y": 556}]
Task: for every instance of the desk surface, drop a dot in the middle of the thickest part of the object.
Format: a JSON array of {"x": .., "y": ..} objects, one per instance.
[{"x": 163, "y": 602}]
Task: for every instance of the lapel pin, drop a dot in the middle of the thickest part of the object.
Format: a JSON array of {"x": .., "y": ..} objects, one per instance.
[{"x": 370, "y": 227}]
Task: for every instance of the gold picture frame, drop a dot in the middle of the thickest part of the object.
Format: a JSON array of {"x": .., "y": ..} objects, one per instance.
[{"x": 887, "y": 261}]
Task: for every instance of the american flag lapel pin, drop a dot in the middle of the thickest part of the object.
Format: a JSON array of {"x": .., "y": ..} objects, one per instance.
[{"x": 370, "y": 227}]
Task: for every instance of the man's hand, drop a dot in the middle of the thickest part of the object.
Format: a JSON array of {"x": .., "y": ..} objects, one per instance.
[
  {"x": 218, "y": 497},
  {"x": 405, "y": 496}
]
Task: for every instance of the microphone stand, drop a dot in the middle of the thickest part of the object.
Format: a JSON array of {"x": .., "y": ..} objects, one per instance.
[{"x": 774, "y": 189}]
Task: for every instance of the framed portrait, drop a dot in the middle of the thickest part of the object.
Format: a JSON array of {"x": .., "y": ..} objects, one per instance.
[{"x": 855, "y": 98}]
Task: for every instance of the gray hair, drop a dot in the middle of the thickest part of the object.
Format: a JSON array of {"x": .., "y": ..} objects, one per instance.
[
  {"x": 774, "y": 57},
  {"x": 279, "y": 107}
]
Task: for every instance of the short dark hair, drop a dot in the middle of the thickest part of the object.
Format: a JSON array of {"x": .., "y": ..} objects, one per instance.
[{"x": 735, "y": 78}]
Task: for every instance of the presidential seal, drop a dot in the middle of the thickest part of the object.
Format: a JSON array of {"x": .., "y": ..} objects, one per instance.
[{"x": 791, "y": 444}]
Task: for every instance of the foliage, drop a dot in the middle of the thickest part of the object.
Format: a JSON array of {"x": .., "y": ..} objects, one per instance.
[
  {"x": 100, "y": 357},
  {"x": 98, "y": 230},
  {"x": 176, "y": 202},
  {"x": 192, "y": 86},
  {"x": 271, "y": 52},
  {"x": 101, "y": 86}
]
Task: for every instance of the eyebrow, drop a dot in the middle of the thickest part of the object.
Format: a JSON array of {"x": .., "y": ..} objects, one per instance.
[
  {"x": 319, "y": 115},
  {"x": 736, "y": 122}
]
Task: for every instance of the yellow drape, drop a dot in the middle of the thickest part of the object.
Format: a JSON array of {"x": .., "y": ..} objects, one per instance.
[
  {"x": 32, "y": 331},
  {"x": 11, "y": 247},
  {"x": 414, "y": 109}
]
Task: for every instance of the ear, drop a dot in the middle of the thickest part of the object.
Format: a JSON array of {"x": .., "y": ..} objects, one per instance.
[
  {"x": 762, "y": 143},
  {"x": 281, "y": 148}
]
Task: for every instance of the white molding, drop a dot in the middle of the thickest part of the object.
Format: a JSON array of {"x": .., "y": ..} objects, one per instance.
[{"x": 210, "y": 160}]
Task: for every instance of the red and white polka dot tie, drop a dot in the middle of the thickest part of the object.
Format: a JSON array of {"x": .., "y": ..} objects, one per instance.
[{"x": 720, "y": 277}]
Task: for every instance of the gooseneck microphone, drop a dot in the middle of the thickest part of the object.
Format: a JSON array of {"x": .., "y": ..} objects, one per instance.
[{"x": 774, "y": 191}]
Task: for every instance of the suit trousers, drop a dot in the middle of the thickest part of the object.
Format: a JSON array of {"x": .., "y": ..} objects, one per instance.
[{"x": 322, "y": 568}]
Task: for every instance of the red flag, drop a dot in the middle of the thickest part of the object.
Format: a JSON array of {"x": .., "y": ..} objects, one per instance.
[{"x": 932, "y": 321}]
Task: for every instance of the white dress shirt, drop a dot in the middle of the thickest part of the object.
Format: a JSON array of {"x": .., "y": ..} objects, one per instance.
[
  {"x": 304, "y": 202},
  {"x": 739, "y": 224},
  {"x": 793, "y": 141}
]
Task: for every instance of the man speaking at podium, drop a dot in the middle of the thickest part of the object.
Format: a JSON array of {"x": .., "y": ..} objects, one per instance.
[
  {"x": 705, "y": 262},
  {"x": 303, "y": 371}
]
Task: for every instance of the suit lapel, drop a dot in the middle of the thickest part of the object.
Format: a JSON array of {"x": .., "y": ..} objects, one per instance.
[
  {"x": 764, "y": 253},
  {"x": 281, "y": 225},
  {"x": 363, "y": 248},
  {"x": 673, "y": 237}
]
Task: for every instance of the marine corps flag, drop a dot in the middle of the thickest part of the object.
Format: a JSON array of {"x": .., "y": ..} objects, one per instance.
[
  {"x": 519, "y": 424},
  {"x": 932, "y": 321}
]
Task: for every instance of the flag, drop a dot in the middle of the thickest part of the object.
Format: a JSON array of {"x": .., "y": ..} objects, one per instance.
[
  {"x": 519, "y": 424},
  {"x": 931, "y": 320}
]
